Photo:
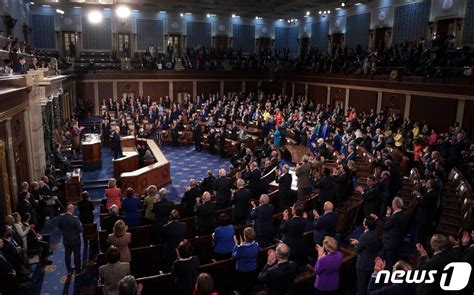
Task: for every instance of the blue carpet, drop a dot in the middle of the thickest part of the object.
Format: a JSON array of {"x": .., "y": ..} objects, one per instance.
[{"x": 185, "y": 164}]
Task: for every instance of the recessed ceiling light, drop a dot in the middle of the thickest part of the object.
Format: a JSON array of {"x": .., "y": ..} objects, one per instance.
[
  {"x": 46, "y": 5},
  {"x": 338, "y": 8},
  {"x": 181, "y": 14},
  {"x": 320, "y": 12},
  {"x": 358, "y": 3},
  {"x": 329, "y": 11},
  {"x": 123, "y": 11},
  {"x": 107, "y": 8},
  {"x": 162, "y": 11},
  {"x": 136, "y": 10},
  {"x": 77, "y": 7},
  {"x": 308, "y": 13},
  {"x": 343, "y": 4},
  {"x": 95, "y": 17},
  {"x": 32, "y": 3},
  {"x": 280, "y": 20},
  {"x": 60, "y": 11},
  {"x": 188, "y": 13}
]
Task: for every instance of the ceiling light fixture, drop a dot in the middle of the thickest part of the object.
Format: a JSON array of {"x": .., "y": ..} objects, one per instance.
[
  {"x": 329, "y": 11},
  {"x": 280, "y": 20},
  {"x": 338, "y": 8},
  {"x": 181, "y": 14},
  {"x": 123, "y": 11},
  {"x": 162, "y": 11},
  {"x": 320, "y": 12},
  {"x": 46, "y": 5},
  {"x": 358, "y": 3},
  {"x": 343, "y": 4},
  {"x": 308, "y": 13},
  {"x": 188, "y": 13},
  {"x": 32, "y": 3},
  {"x": 60, "y": 11},
  {"x": 95, "y": 17}
]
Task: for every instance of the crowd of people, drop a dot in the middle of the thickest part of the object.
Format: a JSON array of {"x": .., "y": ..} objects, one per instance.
[{"x": 323, "y": 130}]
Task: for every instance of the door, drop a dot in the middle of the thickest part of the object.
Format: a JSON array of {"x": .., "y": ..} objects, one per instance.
[
  {"x": 222, "y": 42},
  {"x": 304, "y": 46},
  {"x": 264, "y": 43},
  {"x": 69, "y": 43},
  {"x": 337, "y": 40},
  {"x": 380, "y": 34},
  {"x": 123, "y": 44},
  {"x": 174, "y": 45},
  {"x": 444, "y": 28}
]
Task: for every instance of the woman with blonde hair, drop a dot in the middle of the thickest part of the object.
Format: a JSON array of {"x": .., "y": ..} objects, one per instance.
[
  {"x": 121, "y": 239},
  {"x": 327, "y": 267},
  {"x": 113, "y": 194},
  {"x": 149, "y": 200}
]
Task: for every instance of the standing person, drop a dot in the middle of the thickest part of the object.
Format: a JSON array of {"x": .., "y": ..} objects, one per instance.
[
  {"x": 116, "y": 145},
  {"x": 131, "y": 205},
  {"x": 263, "y": 221},
  {"x": 113, "y": 194},
  {"x": 185, "y": 268},
  {"x": 245, "y": 256},
  {"x": 284, "y": 180},
  {"x": 75, "y": 138},
  {"x": 327, "y": 267},
  {"x": 240, "y": 201},
  {"x": 111, "y": 273},
  {"x": 277, "y": 138},
  {"x": 8, "y": 275},
  {"x": 223, "y": 238},
  {"x": 197, "y": 137},
  {"x": 86, "y": 209},
  {"x": 293, "y": 230},
  {"x": 302, "y": 172},
  {"x": 149, "y": 200},
  {"x": 121, "y": 239},
  {"x": 394, "y": 231},
  {"x": 173, "y": 233},
  {"x": 72, "y": 229},
  {"x": 222, "y": 187}
]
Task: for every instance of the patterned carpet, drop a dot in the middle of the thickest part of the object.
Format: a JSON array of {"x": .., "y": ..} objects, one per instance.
[{"x": 185, "y": 164}]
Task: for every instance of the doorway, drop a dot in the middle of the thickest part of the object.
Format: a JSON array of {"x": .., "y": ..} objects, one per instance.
[
  {"x": 128, "y": 95},
  {"x": 264, "y": 43},
  {"x": 69, "y": 43},
  {"x": 337, "y": 40},
  {"x": 304, "y": 46},
  {"x": 123, "y": 44},
  {"x": 380, "y": 40},
  {"x": 174, "y": 45},
  {"x": 222, "y": 42},
  {"x": 444, "y": 28}
]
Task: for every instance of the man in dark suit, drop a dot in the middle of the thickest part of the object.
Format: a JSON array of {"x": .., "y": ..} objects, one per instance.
[
  {"x": 173, "y": 233},
  {"x": 222, "y": 187},
  {"x": 443, "y": 255},
  {"x": 324, "y": 225},
  {"x": 189, "y": 197},
  {"x": 26, "y": 209},
  {"x": 395, "y": 178},
  {"x": 371, "y": 196},
  {"x": 367, "y": 248},
  {"x": 284, "y": 179},
  {"x": 241, "y": 202},
  {"x": 263, "y": 221},
  {"x": 279, "y": 273},
  {"x": 342, "y": 185},
  {"x": 205, "y": 215},
  {"x": 222, "y": 142},
  {"x": 19, "y": 66},
  {"x": 162, "y": 209},
  {"x": 326, "y": 188},
  {"x": 116, "y": 145},
  {"x": 293, "y": 230},
  {"x": 393, "y": 289},
  {"x": 351, "y": 154},
  {"x": 8, "y": 275},
  {"x": 197, "y": 137},
  {"x": 253, "y": 176},
  {"x": 427, "y": 207},
  {"x": 71, "y": 228},
  {"x": 302, "y": 172},
  {"x": 394, "y": 231}
]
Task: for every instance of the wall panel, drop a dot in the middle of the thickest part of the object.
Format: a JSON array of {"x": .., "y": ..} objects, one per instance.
[
  {"x": 251, "y": 86},
  {"x": 393, "y": 102},
  {"x": 362, "y": 100},
  {"x": 357, "y": 32},
  {"x": 43, "y": 35},
  {"x": 97, "y": 36},
  {"x": 319, "y": 35},
  {"x": 468, "y": 33},
  {"x": 318, "y": 94},
  {"x": 155, "y": 89},
  {"x": 243, "y": 38},
  {"x": 206, "y": 87},
  {"x": 232, "y": 86},
  {"x": 149, "y": 32},
  {"x": 182, "y": 87},
  {"x": 410, "y": 21},
  {"x": 198, "y": 34},
  {"x": 299, "y": 90},
  {"x": 85, "y": 90},
  {"x": 127, "y": 87},
  {"x": 338, "y": 95},
  {"x": 437, "y": 112},
  {"x": 106, "y": 91},
  {"x": 468, "y": 119}
]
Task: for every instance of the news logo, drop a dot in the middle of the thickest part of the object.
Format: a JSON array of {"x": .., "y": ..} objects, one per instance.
[{"x": 454, "y": 277}]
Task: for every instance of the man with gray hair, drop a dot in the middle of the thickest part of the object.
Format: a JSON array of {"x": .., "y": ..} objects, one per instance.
[
  {"x": 394, "y": 230},
  {"x": 192, "y": 193},
  {"x": 222, "y": 187},
  {"x": 128, "y": 286},
  {"x": 253, "y": 175},
  {"x": 240, "y": 202},
  {"x": 263, "y": 221},
  {"x": 303, "y": 171},
  {"x": 205, "y": 215},
  {"x": 279, "y": 274}
]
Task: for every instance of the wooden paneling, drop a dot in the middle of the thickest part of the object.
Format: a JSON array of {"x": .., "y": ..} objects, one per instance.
[
  {"x": 299, "y": 89},
  {"x": 468, "y": 119},
  {"x": 106, "y": 91},
  {"x": 208, "y": 87},
  {"x": 289, "y": 89},
  {"x": 318, "y": 94},
  {"x": 20, "y": 154},
  {"x": 338, "y": 95},
  {"x": 155, "y": 89},
  {"x": 232, "y": 86},
  {"x": 362, "y": 100},
  {"x": 437, "y": 112},
  {"x": 127, "y": 87},
  {"x": 251, "y": 86},
  {"x": 182, "y": 87},
  {"x": 393, "y": 102},
  {"x": 85, "y": 90}
]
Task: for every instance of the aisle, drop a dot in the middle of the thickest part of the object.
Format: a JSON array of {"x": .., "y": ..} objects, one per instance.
[{"x": 185, "y": 164}]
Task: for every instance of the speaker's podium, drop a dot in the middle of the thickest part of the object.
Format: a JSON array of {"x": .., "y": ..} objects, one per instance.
[
  {"x": 92, "y": 152},
  {"x": 125, "y": 64}
]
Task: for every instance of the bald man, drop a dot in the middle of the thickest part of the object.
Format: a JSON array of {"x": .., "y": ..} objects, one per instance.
[
  {"x": 72, "y": 229},
  {"x": 205, "y": 215},
  {"x": 222, "y": 187},
  {"x": 324, "y": 225}
]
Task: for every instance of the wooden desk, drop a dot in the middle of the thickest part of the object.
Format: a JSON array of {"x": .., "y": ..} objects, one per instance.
[
  {"x": 297, "y": 152},
  {"x": 128, "y": 141},
  {"x": 129, "y": 162},
  {"x": 73, "y": 186},
  {"x": 92, "y": 152},
  {"x": 157, "y": 173}
]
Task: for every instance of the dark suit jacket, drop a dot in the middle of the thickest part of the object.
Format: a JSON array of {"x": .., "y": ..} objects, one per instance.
[
  {"x": 254, "y": 182},
  {"x": 302, "y": 172},
  {"x": 71, "y": 228},
  {"x": 436, "y": 262},
  {"x": 371, "y": 200},
  {"x": 173, "y": 233},
  {"x": 25, "y": 207},
  {"x": 394, "y": 289},
  {"x": 206, "y": 217},
  {"x": 325, "y": 225},
  {"x": 284, "y": 186},
  {"x": 189, "y": 200},
  {"x": 293, "y": 229},
  {"x": 263, "y": 217},
  {"x": 241, "y": 203},
  {"x": 367, "y": 248},
  {"x": 395, "y": 180},
  {"x": 427, "y": 208},
  {"x": 326, "y": 189},
  {"x": 394, "y": 231},
  {"x": 342, "y": 186},
  {"x": 279, "y": 278},
  {"x": 222, "y": 186},
  {"x": 162, "y": 210}
]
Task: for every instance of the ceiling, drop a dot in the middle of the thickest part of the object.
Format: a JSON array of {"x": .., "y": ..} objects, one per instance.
[{"x": 272, "y": 9}]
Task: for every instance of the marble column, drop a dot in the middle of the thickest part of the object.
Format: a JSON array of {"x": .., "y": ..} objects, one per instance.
[
  {"x": 221, "y": 92},
  {"x": 346, "y": 101},
  {"x": 379, "y": 101},
  {"x": 406, "y": 114},
  {"x": 34, "y": 128},
  {"x": 11, "y": 162},
  {"x": 328, "y": 96}
]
